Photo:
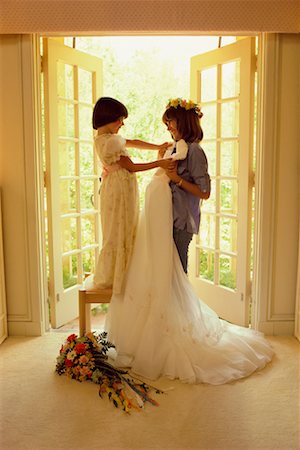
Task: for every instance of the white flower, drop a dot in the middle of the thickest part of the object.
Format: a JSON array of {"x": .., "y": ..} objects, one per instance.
[{"x": 71, "y": 355}]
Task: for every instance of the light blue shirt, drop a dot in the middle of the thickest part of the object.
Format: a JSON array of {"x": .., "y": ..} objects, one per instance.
[{"x": 186, "y": 206}]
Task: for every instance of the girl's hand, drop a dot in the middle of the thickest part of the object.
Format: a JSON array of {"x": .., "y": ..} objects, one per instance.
[
  {"x": 162, "y": 149},
  {"x": 164, "y": 146}
]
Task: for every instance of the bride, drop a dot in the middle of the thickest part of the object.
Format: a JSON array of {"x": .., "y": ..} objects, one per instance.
[{"x": 159, "y": 325}]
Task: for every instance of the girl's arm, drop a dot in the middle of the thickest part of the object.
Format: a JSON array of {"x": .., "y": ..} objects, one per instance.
[
  {"x": 186, "y": 185},
  {"x": 129, "y": 165},
  {"x": 136, "y": 143}
]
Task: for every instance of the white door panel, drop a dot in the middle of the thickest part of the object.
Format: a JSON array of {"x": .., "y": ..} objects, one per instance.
[
  {"x": 72, "y": 84},
  {"x": 222, "y": 81}
]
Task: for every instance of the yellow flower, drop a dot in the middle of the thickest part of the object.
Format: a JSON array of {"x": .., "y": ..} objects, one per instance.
[
  {"x": 174, "y": 102},
  {"x": 190, "y": 105},
  {"x": 183, "y": 103}
]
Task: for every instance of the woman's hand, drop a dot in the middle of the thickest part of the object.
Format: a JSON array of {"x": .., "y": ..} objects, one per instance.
[
  {"x": 161, "y": 153},
  {"x": 171, "y": 171},
  {"x": 184, "y": 184},
  {"x": 167, "y": 164}
]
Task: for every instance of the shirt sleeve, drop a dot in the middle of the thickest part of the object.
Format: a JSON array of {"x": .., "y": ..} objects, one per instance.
[
  {"x": 198, "y": 168},
  {"x": 114, "y": 149}
]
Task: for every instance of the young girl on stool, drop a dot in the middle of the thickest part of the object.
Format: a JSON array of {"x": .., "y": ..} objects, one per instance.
[{"x": 119, "y": 192}]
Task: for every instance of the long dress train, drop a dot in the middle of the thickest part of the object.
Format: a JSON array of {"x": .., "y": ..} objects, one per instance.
[{"x": 159, "y": 325}]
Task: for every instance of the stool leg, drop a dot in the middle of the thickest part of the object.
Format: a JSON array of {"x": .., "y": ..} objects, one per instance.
[
  {"x": 87, "y": 317},
  {"x": 82, "y": 313}
]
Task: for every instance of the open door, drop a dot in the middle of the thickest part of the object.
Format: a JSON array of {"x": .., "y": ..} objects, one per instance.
[
  {"x": 222, "y": 81},
  {"x": 72, "y": 84}
]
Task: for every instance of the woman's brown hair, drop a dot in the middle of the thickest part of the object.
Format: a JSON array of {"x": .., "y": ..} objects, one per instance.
[{"x": 188, "y": 122}]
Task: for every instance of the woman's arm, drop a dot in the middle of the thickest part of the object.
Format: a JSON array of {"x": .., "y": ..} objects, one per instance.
[
  {"x": 129, "y": 165},
  {"x": 186, "y": 185}
]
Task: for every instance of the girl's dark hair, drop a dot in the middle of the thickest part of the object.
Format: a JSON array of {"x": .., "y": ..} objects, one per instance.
[
  {"x": 188, "y": 122},
  {"x": 107, "y": 110}
]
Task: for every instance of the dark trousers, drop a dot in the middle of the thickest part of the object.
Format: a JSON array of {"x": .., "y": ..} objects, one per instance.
[{"x": 182, "y": 239}]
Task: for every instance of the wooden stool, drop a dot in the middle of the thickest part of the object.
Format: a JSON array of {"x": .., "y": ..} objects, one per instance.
[{"x": 85, "y": 298}]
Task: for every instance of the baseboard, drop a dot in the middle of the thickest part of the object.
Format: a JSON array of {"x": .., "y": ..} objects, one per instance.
[
  {"x": 277, "y": 328},
  {"x": 25, "y": 328}
]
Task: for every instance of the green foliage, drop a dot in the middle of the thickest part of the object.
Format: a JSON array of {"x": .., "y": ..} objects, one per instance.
[
  {"x": 226, "y": 272},
  {"x": 100, "y": 309}
]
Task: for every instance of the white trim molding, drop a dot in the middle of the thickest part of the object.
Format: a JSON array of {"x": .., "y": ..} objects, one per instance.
[
  {"x": 21, "y": 184},
  {"x": 275, "y": 265}
]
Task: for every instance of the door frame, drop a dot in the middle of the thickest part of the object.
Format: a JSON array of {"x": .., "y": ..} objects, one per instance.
[{"x": 259, "y": 302}]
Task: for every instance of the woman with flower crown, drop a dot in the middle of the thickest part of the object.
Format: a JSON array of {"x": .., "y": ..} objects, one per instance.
[
  {"x": 189, "y": 181},
  {"x": 158, "y": 324}
]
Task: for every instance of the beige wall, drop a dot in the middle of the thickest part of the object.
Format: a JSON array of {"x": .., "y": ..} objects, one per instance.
[
  {"x": 287, "y": 176},
  {"x": 275, "y": 284}
]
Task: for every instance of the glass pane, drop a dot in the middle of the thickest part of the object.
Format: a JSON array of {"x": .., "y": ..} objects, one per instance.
[
  {"x": 69, "y": 271},
  {"x": 230, "y": 119},
  {"x": 227, "y": 271},
  {"x": 229, "y": 196},
  {"x": 229, "y": 158},
  {"x": 228, "y": 234},
  {"x": 85, "y": 122},
  {"x": 86, "y": 194},
  {"x": 206, "y": 264},
  {"x": 65, "y": 80},
  {"x": 210, "y": 151},
  {"x": 88, "y": 261},
  {"x": 208, "y": 84},
  {"x": 84, "y": 86},
  {"x": 207, "y": 230},
  {"x": 88, "y": 231},
  {"x": 67, "y": 196},
  {"x": 87, "y": 159},
  {"x": 65, "y": 119},
  {"x": 66, "y": 154},
  {"x": 209, "y": 121},
  {"x": 210, "y": 204},
  {"x": 231, "y": 79},
  {"x": 68, "y": 234}
]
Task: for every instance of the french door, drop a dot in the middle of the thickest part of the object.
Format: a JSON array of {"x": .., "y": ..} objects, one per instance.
[
  {"x": 222, "y": 81},
  {"x": 72, "y": 84}
]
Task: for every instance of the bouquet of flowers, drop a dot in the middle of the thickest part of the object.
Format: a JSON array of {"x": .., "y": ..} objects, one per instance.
[{"x": 85, "y": 358}]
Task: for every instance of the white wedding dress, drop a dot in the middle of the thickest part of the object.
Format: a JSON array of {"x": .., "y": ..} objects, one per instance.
[{"x": 159, "y": 326}]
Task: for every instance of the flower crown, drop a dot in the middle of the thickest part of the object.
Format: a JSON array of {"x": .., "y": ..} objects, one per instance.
[{"x": 186, "y": 104}]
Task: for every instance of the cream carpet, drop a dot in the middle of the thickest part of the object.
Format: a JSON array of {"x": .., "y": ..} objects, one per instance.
[{"x": 41, "y": 410}]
